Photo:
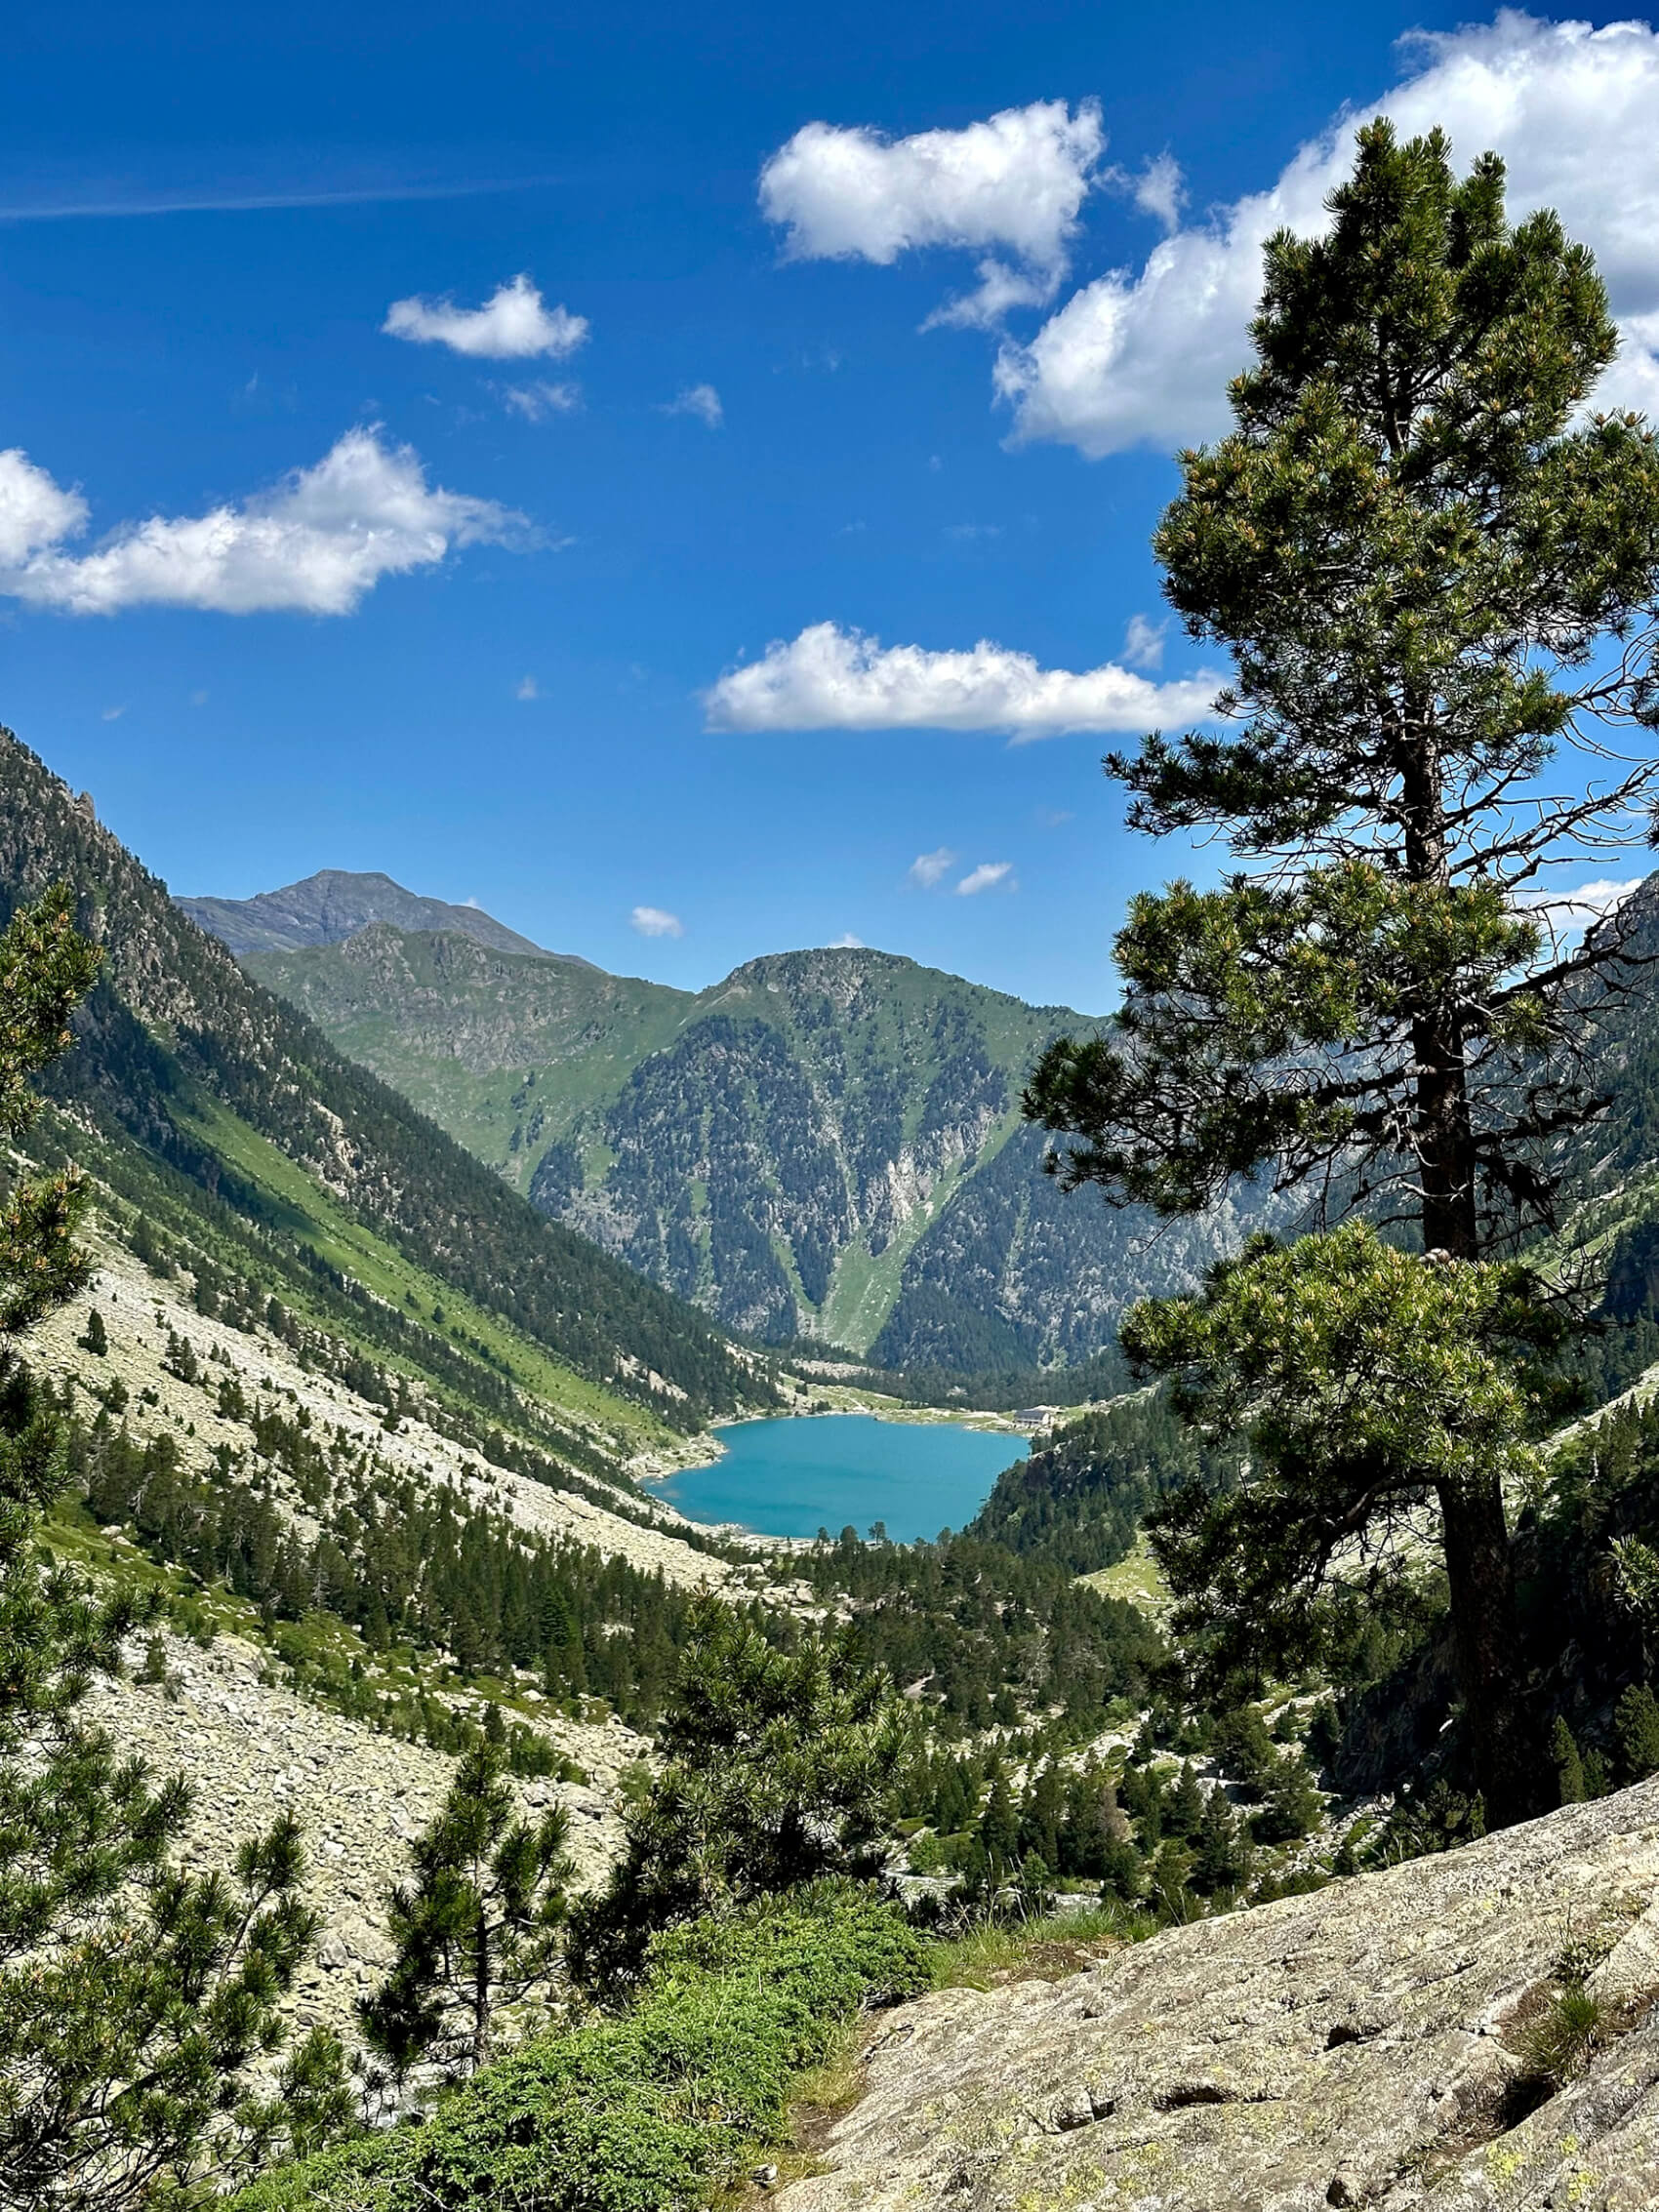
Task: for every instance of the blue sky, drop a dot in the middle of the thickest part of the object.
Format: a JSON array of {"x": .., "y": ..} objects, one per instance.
[{"x": 673, "y": 619}]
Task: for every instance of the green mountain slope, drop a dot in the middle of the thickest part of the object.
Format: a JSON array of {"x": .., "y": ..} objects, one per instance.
[
  {"x": 207, "y": 1092},
  {"x": 827, "y": 1144}
]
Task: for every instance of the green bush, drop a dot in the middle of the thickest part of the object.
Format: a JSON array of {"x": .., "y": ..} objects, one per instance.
[{"x": 649, "y": 2110}]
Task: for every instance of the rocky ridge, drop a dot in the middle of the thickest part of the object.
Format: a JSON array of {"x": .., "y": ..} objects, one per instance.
[{"x": 1366, "y": 2046}]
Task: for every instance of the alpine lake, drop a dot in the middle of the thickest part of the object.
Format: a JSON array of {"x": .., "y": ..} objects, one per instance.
[{"x": 799, "y": 1475}]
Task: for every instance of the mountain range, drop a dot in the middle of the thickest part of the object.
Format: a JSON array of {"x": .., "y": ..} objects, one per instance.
[
  {"x": 215, "y": 1117},
  {"x": 825, "y": 1144}
]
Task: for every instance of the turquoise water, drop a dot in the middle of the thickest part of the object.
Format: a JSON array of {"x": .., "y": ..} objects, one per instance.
[{"x": 792, "y": 1477}]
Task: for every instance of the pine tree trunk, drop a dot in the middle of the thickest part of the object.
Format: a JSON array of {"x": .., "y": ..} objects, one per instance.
[
  {"x": 1481, "y": 1569},
  {"x": 481, "y": 1995},
  {"x": 1480, "y": 1560}
]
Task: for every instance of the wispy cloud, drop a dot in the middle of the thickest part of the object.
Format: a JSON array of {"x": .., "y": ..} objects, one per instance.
[
  {"x": 316, "y": 545},
  {"x": 989, "y": 875},
  {"x": 1143, "y": 642},
  {"x": 535, "y": 402},
  {"x": 829, "y": 678},
  {"x": 514, "y": 324},
  {"x": 701, "y": 400},
  {"x": 846, "y": 943},
  {"x": 234, "y": 202},
  {"x": 113, "y": 714},
  {"x": 656, "y": 921},
  {"x": 526, "y": 688},
  {"x": 928, "y": 868}
]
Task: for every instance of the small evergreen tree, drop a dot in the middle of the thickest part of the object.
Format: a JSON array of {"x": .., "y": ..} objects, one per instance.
[
  {"x": 1221, "y": 1856},
  {"x": 1568, "y": 1765},
  {"x": 1636, "y": 1718},
  {"x": 477, "y": 1929},
  {"x": 95, "y": 1336},
  {"x": 781, "y": 1767}
]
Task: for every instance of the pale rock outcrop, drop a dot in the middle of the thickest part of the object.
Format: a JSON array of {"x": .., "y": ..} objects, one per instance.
[{"x": 1360, "y": 2047}]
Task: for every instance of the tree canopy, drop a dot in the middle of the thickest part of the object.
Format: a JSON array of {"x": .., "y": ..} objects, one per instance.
[{"x": 1435, "y": 573}]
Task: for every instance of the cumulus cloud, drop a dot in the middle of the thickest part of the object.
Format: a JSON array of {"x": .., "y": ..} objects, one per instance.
[
  {"x": 989, "y": 875},
  {"x": 655, "y": 921},
  {"x": 537, "y": 401},
  {"x": 829, "y": 678},
  {"x": 1142, "y": 356},
  {"x": 34, "y": 511},
  {"x": 1010, "y": 188},
  {"x": 927, "y": 868},
  {"x": 512, "y": 325},
  {"x": 846, "y": 943},
  {"x": 701, "y": 400},
  {"x": 316, "y": 545}
]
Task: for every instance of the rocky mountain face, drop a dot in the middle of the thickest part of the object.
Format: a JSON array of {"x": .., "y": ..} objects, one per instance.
[
  {"x": 1393, "y": 2043},
  {"x": 827, "y": 1144},
  {"x": 334, "y": 905}
]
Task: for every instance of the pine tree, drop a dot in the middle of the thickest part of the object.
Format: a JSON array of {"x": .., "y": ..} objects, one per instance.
[
  {"x": 1415, "y": 547},
  {"x": 782, "y": 1767},
  {"x": 95, "y": 1336},
  {"x": 1568, "y": 1765},
  {"x": 133, "y": 1997},
  {"x": 477, "y": 1929},
  {"x": 1221, "y": 1856}
]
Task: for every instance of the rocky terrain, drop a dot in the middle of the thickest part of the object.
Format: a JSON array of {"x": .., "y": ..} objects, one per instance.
[
  {"x": 141, "y": 1312},
  {"x": 1382, "y": 2044},
  {"x": 252, "y": 1749}
]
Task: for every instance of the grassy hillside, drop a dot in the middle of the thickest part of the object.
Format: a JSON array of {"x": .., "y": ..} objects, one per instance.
[{"x": 209, "y": 1096}]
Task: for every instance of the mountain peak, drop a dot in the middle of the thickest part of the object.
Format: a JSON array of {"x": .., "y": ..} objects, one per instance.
[{"x": 334, "y": 903}]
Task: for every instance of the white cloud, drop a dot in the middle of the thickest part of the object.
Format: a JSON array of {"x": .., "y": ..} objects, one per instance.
[
  {"x": 314, "y": 544},
  {"x": 1160, "y": 190},
  {"x": 927, "y": 868},
  {"x": 701, "y": 400},
  {"x": 113, "y": 714},
  {"x": 652, "y": 921},
  {"x": 989, "y": 875},
  {"x": 1015, "y": 182},
  {"x": 512, "y": 325},
  {"x": 1587, "y": 903},
  {"x": 34, "y": 513},
  {"x": 846, "y": 943},
  {"x": 537, "y": 401},
  {"x": 1144, "y": 356},
  {"x": 1143, "y": 642},
  {"x": 526, "y": 688},
  {"x": 835, "y": 680}
]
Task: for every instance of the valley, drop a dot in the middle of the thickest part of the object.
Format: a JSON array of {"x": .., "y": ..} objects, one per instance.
[{"x": 825, "y": 1144}]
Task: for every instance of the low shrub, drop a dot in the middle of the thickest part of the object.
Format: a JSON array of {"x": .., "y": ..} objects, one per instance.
[{"x": 648, "y": 2110}]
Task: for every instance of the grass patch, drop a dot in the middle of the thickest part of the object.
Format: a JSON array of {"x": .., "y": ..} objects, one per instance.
[{"x": 1001, "y": 1952}]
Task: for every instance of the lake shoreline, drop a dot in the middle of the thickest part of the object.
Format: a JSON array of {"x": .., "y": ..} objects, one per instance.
[{"x": 786, "y": 1478}]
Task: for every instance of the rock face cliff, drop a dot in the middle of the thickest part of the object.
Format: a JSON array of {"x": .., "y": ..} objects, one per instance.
[{"x": 1372, "y": 2045}]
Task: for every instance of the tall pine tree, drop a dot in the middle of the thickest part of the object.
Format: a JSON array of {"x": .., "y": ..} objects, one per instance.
[{"x": 1434, "y": 575}]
